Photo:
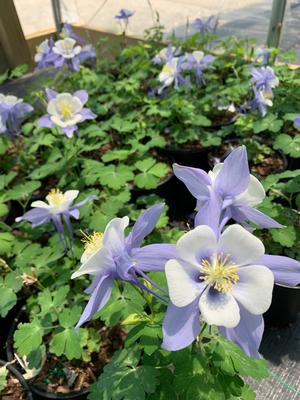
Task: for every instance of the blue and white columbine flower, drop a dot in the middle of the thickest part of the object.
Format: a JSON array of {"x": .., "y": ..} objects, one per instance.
[
  {"x": 172, "y": 74},
  {"x": 228, "y": 191},
  {"x": 208, "y": 25},
  {"x": 66, "y": 110},
  {"x": 197, "y": 61},
  {"x": 67, "y": 52},
  {"x": 166, "y": 54},
  {"x": 225, "y": 281},
  {"x": 124, "y": 14},
  {"x": 13, "y": 111},
  {"x": 112, "y": 256},
  {"x": 58, "y": 209},
  {"x": 264, "y": 79}
]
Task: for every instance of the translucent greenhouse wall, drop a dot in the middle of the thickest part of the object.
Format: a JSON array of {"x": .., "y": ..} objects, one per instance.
[{"x": 239, "y": 17}]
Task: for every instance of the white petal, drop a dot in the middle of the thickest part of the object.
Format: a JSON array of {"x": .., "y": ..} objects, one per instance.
[
  {"x": 253, "y": 195},
  {"x": 254, "y": 288},
  {"x": 40, "y": 204},
  {"x": 197, "y": 244},
  {"x": 216, "y": 169},
  {"x": 70, "y": 195},
  {"x": 57, "y": 121},
  {"x": 113, "y": 237},
  {"x": 51, "y": 108},
  {"x": 243, "y": 247},
  {"x": 219, "y": 309},
  {"x": 198, "y": 55},
  {"x": 182, "y": 282},
  {"x": 100, "y": 262}
]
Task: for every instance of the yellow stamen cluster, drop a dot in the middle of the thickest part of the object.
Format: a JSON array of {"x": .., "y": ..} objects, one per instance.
[
  {"x": 65, "y": 109},
  {"x": 219, "y": 272},
  {"x": 168, "y": 69},
  {"x": 92, "y": 243},
  {"x": 55, "y": 197}
]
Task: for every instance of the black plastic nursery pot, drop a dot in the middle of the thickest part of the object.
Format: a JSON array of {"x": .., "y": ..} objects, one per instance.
[
  {"x": 285, "y": 306},
  {"x": 17, "y": 375},
  {"x": 38, "y": 392},
  {"x": 189, "y": 156},
  {"x": 219, "y": 154}
]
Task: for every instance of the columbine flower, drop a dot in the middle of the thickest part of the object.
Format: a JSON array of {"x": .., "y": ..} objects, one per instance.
[
  {"x": 66, "y": 110},
  {"x": 296, "y": 122},
  {"x": 261, "y": 101},
  {"x": 67, "y": 52},
  {"x": 228, "y": 191},
  {"x": 225, "y": 281},
  {"x": 67, "y": 32},
  {"x": 58, "y": 209},
  {"x": 263, "y": 54},
  {"x": 172, "y": 74},
  {"x": 111, "y": 256},
  {"x": 13, "y": 112},
  {"x": 124, "y": 14},
  {"x": 264, "y": 79},
  {"x": 165, "y": 55},
  {"x": 42, "y": 50},
  {"x": 197, "y": 61},
  {"x": 208, "y": 25}
]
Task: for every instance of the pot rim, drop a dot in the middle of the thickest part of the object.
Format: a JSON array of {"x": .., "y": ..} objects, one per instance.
[
  {"x": 32, "y": 387},
  {"x": 19, "y": 377}
]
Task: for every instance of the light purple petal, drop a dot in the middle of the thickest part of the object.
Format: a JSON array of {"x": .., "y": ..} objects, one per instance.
[
  {"x": 247, "y": 334},
  {"x": 181, "y": 326},
  {"x": 86, "y": 113},
  {"x": 82, "y": 95},
  {"x": 234, "y": 176},
  {"x": 245, "y": 213},
  {"x": 37, "y": 216},
  {"x": 144, "y": 225},
  {"x": 286, "y": 270},
  {"x": 51, "y": 94},
  {"x": 74, "y": 213},
  {"x": 83, "y": 202},
  {"x": 196, "y": 180},
  {"x": 45, "y": 121},
  {"x": 154, "y": 256},
  {"x": 69, "y": 130},
  {"x": 210, "y": 213},
  {"x": 297, "y": 122},
  {"x": 99, "y": 298}
]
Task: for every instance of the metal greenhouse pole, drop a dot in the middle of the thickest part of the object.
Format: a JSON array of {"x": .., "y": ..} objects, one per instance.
[
  {"x": 276, "y": 21},
  {"x": 57, "y": 14}
]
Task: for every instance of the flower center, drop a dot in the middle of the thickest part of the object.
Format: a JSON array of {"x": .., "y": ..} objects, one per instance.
[
  {"x": 92, "y": 243},
  {"x": 65, "y": 109},
  {"x": 168, "y": 69},
  {"x": 55, "y": 198},
  {"x": 219, "y": 272}
]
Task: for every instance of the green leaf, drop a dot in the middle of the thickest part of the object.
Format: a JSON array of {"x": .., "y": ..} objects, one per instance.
[
  {"x": 121, "y": 305},
  {"x": 269, "y": 123},
  {"x": 3, "y": 376},
  {"x": 151, "y": 173},
  {"x": 8, "y": 300},
  {"x": 67, "y": 343},
  {"x": 23, "y": 190},
  {"x": 28, "y": 337},
  {"x": 200, "y": 120},
  {"x": 124, "y": 379},
  {"x": 3, "y": 209},
  {"x": 6, "y": 242},
  {"x": 285, "y": 236},
  {"x": 69, "y": 318},
  {"x": 232, "y": 360},
  {"x": 115, "y": 177},
  {"x": 288, "y": 144}
]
